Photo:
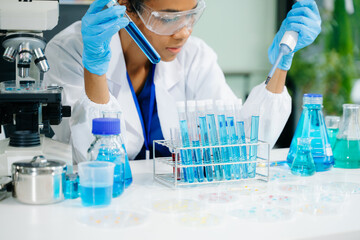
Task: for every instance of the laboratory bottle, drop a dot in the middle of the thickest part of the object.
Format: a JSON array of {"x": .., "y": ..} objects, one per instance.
[
  {"x": 312, "y": 125},
  {"x": 303, "y": 164},
  {"x": 347, "y": 144},
  {"x": 108, "y": 146},
  {"x": 128, "y": 174}
]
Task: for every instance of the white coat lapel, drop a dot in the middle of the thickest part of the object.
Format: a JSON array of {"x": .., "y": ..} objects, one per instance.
[
  {"x": 119, "y": 88},
  {"x": 169, "y": 85}
]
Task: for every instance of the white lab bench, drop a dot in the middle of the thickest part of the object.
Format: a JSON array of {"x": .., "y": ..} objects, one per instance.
[{"x": 223, "y": 211}]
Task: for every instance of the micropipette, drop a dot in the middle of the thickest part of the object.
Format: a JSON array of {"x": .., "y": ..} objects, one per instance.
[
  {"x": 138, "y": 37},
  {"x": 287, "y": 45}
]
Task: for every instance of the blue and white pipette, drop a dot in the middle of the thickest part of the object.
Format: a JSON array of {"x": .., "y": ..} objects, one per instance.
[
  {"x": 138, "y": 37},
  {"x": 287, "y": 45}
]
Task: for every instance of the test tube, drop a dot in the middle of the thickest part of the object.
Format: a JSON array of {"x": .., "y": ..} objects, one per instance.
[
  {"x": 175, "y": 143},
  {"x": 204, "y": 136},
  {"x": 233, "y": 139},
  {"x": 186, "y": 155},
  {"x": 210, "y": 117},
  {"x": 253, "y": 148},
  {"x": 138, "y": 37},
  {"x": 194, "y": 135},
  {"x": 225, "y": 153},
  {"x": 240, "y": 129}
]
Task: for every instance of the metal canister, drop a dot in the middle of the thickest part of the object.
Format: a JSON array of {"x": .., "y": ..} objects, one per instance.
[{"x": 39, "y": 181}]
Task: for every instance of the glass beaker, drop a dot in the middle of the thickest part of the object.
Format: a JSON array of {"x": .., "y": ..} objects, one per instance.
[
  {"x": 312, "y": 125},
  {"x": 347, "y": 145},
  {"x": 303, "y": 164},
  {"x": 332, "y": 125}
]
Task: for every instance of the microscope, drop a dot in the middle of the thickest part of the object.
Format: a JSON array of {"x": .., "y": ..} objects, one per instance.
[{"x": 27, "y": 108}]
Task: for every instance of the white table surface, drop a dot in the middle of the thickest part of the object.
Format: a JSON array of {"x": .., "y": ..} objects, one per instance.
[{"x": 338, "y": 216}]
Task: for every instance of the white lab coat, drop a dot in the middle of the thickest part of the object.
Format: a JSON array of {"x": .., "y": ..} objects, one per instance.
[{"x": 193, "y": 75}]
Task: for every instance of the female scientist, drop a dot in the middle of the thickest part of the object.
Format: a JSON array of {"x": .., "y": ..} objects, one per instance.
[{"x": 101, "y": 68}]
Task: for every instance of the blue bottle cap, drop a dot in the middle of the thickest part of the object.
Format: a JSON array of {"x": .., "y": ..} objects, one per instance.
[
  {"x": 106, "y": 126},
  {"x": 312, "y": 98}
]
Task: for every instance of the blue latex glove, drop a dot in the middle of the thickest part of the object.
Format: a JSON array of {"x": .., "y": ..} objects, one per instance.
[
  {"x": 303, "y": 18},
  {"x": 97, "y": 29}
]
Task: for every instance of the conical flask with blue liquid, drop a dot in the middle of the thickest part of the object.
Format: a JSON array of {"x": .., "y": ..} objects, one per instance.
[{"x": 312, "y": 125}]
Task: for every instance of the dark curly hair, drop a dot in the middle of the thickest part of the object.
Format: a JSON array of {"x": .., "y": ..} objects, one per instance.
[{"x": 134, "y": 4}]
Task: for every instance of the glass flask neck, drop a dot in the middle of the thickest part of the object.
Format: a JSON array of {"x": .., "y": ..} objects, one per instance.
[{"x": 350, "y": 128}]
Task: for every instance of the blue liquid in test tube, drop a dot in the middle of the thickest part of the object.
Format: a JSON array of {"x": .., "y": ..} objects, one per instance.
[
  {"x": 138, "y": 37},
  {"x": 243, "y": 155},
  {"x": 204, "y": 136},
  {"x": 234, "y": 150},
  {"x": 210, "y": 117},
  {"x": 225, "y": 153},
  {"x": 194, "y": 134},
  {"x": 253, "y": 148},
  {"x": 186, "y": 155}
]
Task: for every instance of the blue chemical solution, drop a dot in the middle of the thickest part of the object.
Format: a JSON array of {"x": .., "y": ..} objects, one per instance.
[
  {"x": 225, "y": 153},
  {"x": 71, "y": 189},
  {"x": 186, "y": 157},
  {"x": 219, "y": 174},
  {"x": 312, "y": 125},
  {"x": 197, "y": 159},
  {"x": 95, "y": 196},
  {"x": 128, "y": 174},
  {"x": 303, "y": 164},
  {"x": 243, "y": 155},
  {"x": 253, "y": 148},
  {"x": 142, "y": 42},
  {"x": 206, "y": 152},
  {"x": 112, "y": 155},
  {"x": 235, "y": 151}
]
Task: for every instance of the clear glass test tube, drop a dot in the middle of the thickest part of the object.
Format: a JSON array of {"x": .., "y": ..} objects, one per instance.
[
  {"x": 225, "y": 151},
  {"x": 240, "y": 129},
  {"x": 210, "y": 117},
  {"x": 195, "y": 141},
  {"x": 186, "y": 155},
  {"x": 253, "y": 148},
  {"x": 139, "y": 37},
  {"x": 204, "y": 136},
  {"x": 233, "y": 138}
]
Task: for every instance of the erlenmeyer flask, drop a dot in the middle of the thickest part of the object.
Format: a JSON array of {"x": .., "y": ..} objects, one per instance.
[
  {"x": 312, "y": 125},
  {"x": 332, "y": 126},
  {"x": 303, "y": 164},
  {"x": 347, "y": 145}
]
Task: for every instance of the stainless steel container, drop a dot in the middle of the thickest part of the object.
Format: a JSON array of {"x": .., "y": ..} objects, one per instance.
[{"x": 39, "y": 181}]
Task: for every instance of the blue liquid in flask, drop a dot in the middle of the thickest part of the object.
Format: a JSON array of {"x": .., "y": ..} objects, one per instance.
[
  {"x": 312, "y": 125},
  {"x": 303, "y": 164}
]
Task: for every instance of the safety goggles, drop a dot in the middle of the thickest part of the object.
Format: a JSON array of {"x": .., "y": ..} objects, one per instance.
[{"x": 168, "y": 23}]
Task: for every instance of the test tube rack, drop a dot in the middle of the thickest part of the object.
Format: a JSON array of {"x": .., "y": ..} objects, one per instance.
[{"x": 169, "y": 170}]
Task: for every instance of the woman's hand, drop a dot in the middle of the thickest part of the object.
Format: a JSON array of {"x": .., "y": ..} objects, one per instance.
[
  {"x": 97, "y": 28},
  {"x": 303, "y": 18}
]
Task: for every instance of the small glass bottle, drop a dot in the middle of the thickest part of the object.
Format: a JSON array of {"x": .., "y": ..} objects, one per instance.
[
  {"x": 312, "y": 125},
  {"x": 108, "y": 146},
  {"x": 303, "y": 164},
  {"x": 347, "y": 145},
  {"x": 332, "y": 126}
]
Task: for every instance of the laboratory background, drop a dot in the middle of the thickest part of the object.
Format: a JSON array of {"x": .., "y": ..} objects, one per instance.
[
  {"x": 330, "y": 66},
  {"x": 209, "y": 188}
]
